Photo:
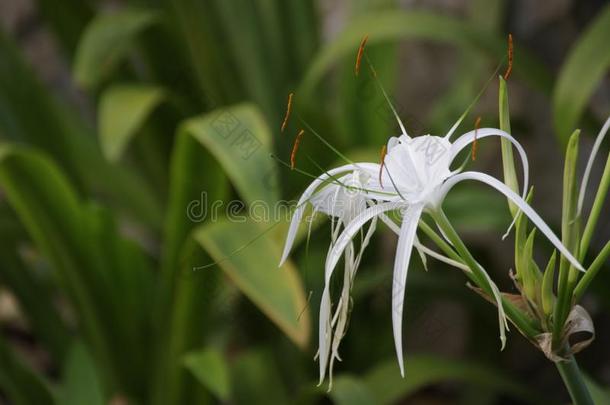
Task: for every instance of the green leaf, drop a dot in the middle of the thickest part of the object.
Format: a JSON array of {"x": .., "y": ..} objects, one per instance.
[
  {"x": 106, "y": 41},
  {"x": 123, "y": 110},
  {"x": 240, "y": 140},
  {"x": 569, "y": 233},
  {"x": 348, "y": 390},
  {"x": 526, "y": 270},
  {"x": 547, "y": 293},
  {"x": 34, "y": 295},
  {"x": 394, "y": 25},
  {"x": 21, "y": 384},
  {"x": 29, "y": 114},
  {"x": 256, "y": 381},
  {"x": 81, "y": 384},
  {"x": 51, "y": 212},
  {"x": 389, "y": 387},
  {"x": 250, "y": 258},
  {"x": 584, "y": 68},
  {"x": 105, "y": 278},
  {"x": 210, "y": 368}
]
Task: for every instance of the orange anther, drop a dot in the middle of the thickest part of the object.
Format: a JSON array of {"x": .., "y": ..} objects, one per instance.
[
  {"x": 509, "y": 68},
  {"x": 360, "y": 53},
  {"x": 288, "y": 109},
  {"x": 295, "y": 148}
]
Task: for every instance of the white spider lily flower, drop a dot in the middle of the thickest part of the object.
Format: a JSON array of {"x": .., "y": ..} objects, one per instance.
[{"x": 416, "y": 176}]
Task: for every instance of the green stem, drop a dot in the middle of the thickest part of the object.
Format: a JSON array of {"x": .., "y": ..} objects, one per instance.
[
  {"x": 574, "y": 382},
  {"x": 525, "y": 325}
]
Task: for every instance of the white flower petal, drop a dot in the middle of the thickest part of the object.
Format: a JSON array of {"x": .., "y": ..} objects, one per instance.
[
  {"x": 585, "y": 177},
  {"x": 324, "y": 325},
  {"x": 520, "y": 202},
  {"x": 350, "y": 231},
  {"x": 392, "y": 225},
  {"x": 480, "y": 133},
  {"x": 305, "y": 197},
  {"x": 401, "y": 266}
]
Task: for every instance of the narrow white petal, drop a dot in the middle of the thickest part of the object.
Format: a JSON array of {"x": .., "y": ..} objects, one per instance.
[
  {"x": 480, "y": 133},
  {"x": 520, "y": 202},
  {"x": 392, "y": 225},
  {"x": 307, "y": 194},
  {"x": 401, "y": 265},
  {"x": 350, "y": 231},
  {"x": 585, "y": 177}
]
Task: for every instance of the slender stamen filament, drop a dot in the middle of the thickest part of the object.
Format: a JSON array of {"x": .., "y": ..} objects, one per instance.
[
  {"x": 295, "y": 148},
  {"x": 509, "y": 68},
  {"x": 360, "y": 53},
  {"x": 477, "y": 125},
  {"x": 384, "y": 151},
  {"x": 288, "y": 109}
]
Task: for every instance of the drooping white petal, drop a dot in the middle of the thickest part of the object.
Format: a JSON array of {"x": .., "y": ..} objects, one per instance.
[
  {"x": 392, "y": 225},
  {"x": 324, "y": 324},
  {"x": 406, "y": 239},
  {"x": 469, "y": 137},
  {"x": 519, "y": 202},
  {"x": 585, "y": 177},
  {"x": 307, "y": 194},
  {"x": 350, "y": 230}
]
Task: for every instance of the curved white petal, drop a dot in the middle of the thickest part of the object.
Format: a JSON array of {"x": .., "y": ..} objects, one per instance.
[
  {"x": 392, "y": 225},
  {"x": 350, "y": 230},
  {"x": 305, "y": 197},
  {"x": 469, "y": 137},
  {"x": 406, "y": 239},
  {"x": 585, "y": 177},
  {"x": 324, "y": 324},
  {"x": 519, "y": 202}
]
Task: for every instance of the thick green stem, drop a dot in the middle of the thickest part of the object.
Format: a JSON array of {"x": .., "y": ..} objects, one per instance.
[
  {"x": 574, "y": 381},
  {"x": 527, "y": 326}
]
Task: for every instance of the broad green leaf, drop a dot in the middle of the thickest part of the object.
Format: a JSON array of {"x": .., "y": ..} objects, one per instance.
[
  {"x": 51, "y": 212},
  {"x": 388, "y": 386},
  {"x": 80, "y": 382},
  {"x": 123, "y": 109},
  {"x": 395, "y": 25},
  {"x": 30, "y": 114},
  {"x": 256, "y": 381},
  {"x": 250, "y": 258},
  {"x": 33, "y": 291},
  {"x": 584, "y": 68},
  {"x": 21, "y": 384},
  {"x": 244, "y": 41},
  {"x": 106, "y": 41},
  {"x": 349, "y": 390},
  {"x": 211, "y": 369},
  {"x": 105, "y": 278},
  {"x": 240, "y": 140},
  {"x": 198, "y": 27}
]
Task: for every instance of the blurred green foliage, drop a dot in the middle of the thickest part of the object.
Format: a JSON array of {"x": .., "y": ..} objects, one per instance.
[{"x": 107, "y": 260}]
